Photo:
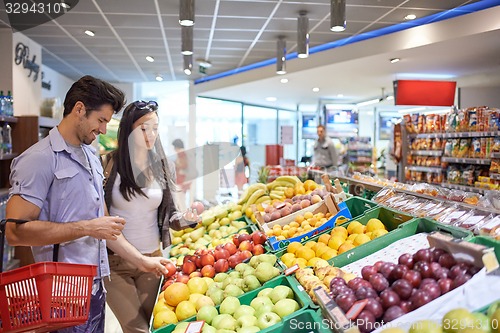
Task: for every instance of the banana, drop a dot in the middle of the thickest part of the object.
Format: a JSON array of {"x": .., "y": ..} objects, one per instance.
[
  {"x": 281, "y": 183},
  {"x": 262, "y": 199},
  {"x": 256, "y": 195},
  {"x": 249, "y": 191},
  {"x": 277, "y": 192},
  {"x": 275, "y": 196},
  {"x": 292, "y": 179},
  {"x": 281, "y": 188}
]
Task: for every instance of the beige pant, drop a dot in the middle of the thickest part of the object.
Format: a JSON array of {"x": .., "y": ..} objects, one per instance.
[{"x": 131, "y": 294}]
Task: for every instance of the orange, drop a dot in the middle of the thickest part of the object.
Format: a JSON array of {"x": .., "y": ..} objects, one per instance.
[{"x": 176, "y": 293}]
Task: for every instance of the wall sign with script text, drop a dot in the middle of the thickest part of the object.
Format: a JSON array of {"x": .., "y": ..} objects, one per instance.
[{"x": 21, "y": 57}]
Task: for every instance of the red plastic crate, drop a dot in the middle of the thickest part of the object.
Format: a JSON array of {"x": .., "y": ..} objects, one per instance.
[{"x": 45, "y": 296}]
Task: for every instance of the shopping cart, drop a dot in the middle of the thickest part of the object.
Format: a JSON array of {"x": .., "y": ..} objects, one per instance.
[{"x": 44, "y": 296}]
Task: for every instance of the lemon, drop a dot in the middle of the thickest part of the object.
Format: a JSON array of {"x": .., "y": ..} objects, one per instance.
[
  {"x": 324, "y": 238},
  {"x": 310, "y": 244},
  {"x": 305, "y": 253},
  {"x": 378, "y": 233},
  {"x": 335, "y": 242},
  {"x": 293, "y": 247},
  {"x": 353, "y": 225},
  {"x": 313, "y": 261},
  {"x": 330, "y": 253},
  {"x": 360, "y": 229},
  {"x": 374, "y": 224},
  {"x": 340, "y": 231},
  {"x": 361, "y": 239},
  {"x": 287, "y": 259},
  {"x": 352, "y": 237},
  {"x": 346, "y": 247},
  {"x": 301, "y": 262}
]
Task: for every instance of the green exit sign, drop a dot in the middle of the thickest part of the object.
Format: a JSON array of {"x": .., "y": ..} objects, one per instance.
[{"x": 202, "y": 70}]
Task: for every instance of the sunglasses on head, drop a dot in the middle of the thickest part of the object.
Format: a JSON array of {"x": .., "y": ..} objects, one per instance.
[{"x": 141, "y": 105}]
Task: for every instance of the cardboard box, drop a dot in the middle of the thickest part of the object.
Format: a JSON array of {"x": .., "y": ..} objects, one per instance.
[{"x": 327, "y": 205}]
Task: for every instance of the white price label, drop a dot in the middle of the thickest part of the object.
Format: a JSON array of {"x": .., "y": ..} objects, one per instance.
[{"x": 194, "y": 327}]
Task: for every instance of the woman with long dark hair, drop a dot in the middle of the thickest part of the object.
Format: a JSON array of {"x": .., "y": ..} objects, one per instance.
[{"x": 138, "y": 188}]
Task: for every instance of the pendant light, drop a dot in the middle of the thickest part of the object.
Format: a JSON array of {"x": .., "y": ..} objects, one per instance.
[
  {"x": 187, "y": 40},
  {"x": 186, "y": 13},
  {"x": 337, "y": 15},
  {"x": 281, "y": 56},
  {"x": 303, "y": 35}
]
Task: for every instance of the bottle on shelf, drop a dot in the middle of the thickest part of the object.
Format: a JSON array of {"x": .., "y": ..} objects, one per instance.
[
  {"x": 9, "y": 103},
  {"x": 6, "y": 139},
  {"x": 2, "y": 104}
]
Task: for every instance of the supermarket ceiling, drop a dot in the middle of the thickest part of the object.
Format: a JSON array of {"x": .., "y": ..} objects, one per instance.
[{"x": 236, "y": 35}]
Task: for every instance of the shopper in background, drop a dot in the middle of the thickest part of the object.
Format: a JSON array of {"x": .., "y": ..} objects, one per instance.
[
  {"x": 241, "y": 169},
  {"x": 138, "y": 189},
  {"x": 182, "y": 171},
  {"x": 57, "y": 186},
  {"x": 325, "y": 155}
]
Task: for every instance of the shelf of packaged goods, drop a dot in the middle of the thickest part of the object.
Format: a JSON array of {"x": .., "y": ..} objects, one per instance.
[
  {"x": 6, "y": 157},
  {"x": 480, "y": 161},
  {"x": 424, "y": 168},
  {"x": 454, "y": 135},
  {"x": 8, "y": 119},
  {"x": 47, "y": 122},
  {"x": 463, "y": 188},
  {"x": 495, "y": 155},
  {"x": 426, "y": 152},
  {"x": 495, "y": 176}
]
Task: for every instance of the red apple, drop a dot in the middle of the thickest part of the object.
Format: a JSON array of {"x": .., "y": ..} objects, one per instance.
[
  {"x": 171, "y": 269},
  {"x": 182, "y": 278},
  {"x": 245, "y": 245},
  {"x": 219, "y": 247},
  {"x": 231, "y": 248},
  {"x": 195, "y": 274},
  {"x": 258, "y": 237},
  {"x": 258, "y": 249},
  {"x": 221, "y": 254},
  {"x": 235, "y": 240},
  {"x": 246, "y": 254},
  {"x": 197, "y": 261},
  {"x": 208, "y": 271},
  {"x": 244, "y": 237},
  {"x": 166, "y": 284},
  {"x": 221, "y": 265},
  {"x": 188, "y": 267},
  {"x": 234, "y": 260},
  {"x": 207, "y": 259}
]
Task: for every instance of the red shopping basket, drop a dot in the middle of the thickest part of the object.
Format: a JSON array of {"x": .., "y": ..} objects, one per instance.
[{"x": 44, "y": 296}]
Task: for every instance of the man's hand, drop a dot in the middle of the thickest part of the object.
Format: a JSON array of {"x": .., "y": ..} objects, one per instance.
[
  {"x": 106, "y": 227},
  {"x": 154, "y": 265}
]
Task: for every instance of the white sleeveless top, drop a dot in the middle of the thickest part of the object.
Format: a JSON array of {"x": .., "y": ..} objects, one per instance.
[{"x": 141, "y": 216}]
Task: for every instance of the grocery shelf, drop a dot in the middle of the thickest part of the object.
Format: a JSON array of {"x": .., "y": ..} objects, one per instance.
[
  {"x": 495, "y": 176},
  {"x": 481, "y": 161},
  {"x": 426, "y": 152},
  {"x": 463, "y": 188},
  {"x": 424, "y": 168},
  {"x": 495, "y": 155},
  {"x": 8, "y": 119},
  {"x": 5, "y": 157},
  {"x": 454, "y": 135}
]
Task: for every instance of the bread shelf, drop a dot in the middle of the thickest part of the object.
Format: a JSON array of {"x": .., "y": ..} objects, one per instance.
[{"x": 463, "y": 188}]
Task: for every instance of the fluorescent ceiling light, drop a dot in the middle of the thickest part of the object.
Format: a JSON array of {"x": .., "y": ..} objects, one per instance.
[
  {"x": 271, "y": 99},
  {"x": 410, "y": 17},
  {"x": 284, "y": 80},
  {"x": 315, "y": 89},
  {"x": 394, "y": 60},
  {"x": 340, "y": 95},
  {"x": 371, "y": 101},
  {"x": 417, "y": 76},
  {"x": 389, "y": 98},
  {"x": 89, "y": 33},
  {"x": 65, "y": 5},
  {"x": 150, "y": 58},
  {"x": 159, "y": 78}
]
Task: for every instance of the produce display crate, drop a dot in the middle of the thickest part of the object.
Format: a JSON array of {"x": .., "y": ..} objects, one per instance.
[
  {"x": 489, "y": 242},
  {"x": 302, "y": 321},
  {"x": 358, "y": 206},
  {"x": 406, "y": 229},
  {"x": 299, "y": 295}
]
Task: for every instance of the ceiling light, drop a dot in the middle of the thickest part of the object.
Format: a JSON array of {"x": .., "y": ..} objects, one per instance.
[
  {"x": 204, "y": 63},
  {"x": 187, "y": 40},
  {"x": 281, "y": 56},
  {"x": 389, "y": 98},
  {"x": 159, "y": 77},
  {"x": 271, "y": 99},
  {"x": 369, "y": 102},
  {"x": 89, "y": 33},
  {"x": 303, "y": 35},
  {"x": 188, "y": 64},
  {"x": 315, "y": 89},
  {"x": 186, "y": 13},
  {"x": 65, "y": 5},
  {"x": 337, "y": 15},
  {"x": 150, "y": 58},
  {"x": 284, "y": 80},
  {"x": 340, "y": 95},
  {"x": 410, "y": 17},
  {"x": 394, "y": 60}
]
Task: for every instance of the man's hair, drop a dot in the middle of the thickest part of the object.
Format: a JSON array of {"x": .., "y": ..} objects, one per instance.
[
  {"x": 177, "y": 143},
  {"x": 321, "y": 126},
  {"x": 93, "y": 93}
]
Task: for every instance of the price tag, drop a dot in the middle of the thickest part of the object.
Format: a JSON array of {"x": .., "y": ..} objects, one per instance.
[
  {"x": 195, "y": 326},
  {"x": 291, "y": 270},
  {"x": 356, "y": 309}
]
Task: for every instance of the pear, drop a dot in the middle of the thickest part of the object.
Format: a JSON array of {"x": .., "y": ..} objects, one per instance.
[
  {"x": 250, "y": 283},
  {"x": 254, "y": 261},
  {"x": 232, "y": 290},
  {"x": 249, "y": 271},
  {"x": 220, "y": 277},
  {"x": 197, "y": 234},
  {"x": 241, "y": 267},
  {"x": 266, "y": 271},
  {"x": 269, "y": 258}
]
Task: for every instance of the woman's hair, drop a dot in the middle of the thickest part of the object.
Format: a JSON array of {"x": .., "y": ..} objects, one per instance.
[
  {"x": 93, "y": 93},
  {"x": 130, "y": 184}
]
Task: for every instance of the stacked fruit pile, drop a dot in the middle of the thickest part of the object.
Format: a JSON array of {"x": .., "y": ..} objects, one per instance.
[
  {"x": 329, "y": 245},
  {"x": 393, "y": 290},
  {"x": 267, "y": 309}
]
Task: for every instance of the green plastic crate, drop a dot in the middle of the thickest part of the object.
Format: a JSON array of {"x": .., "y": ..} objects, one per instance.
[
  {"x": 489, "y": 242},
  {"x": 299, "y": 295},
  {"x": 302, "y": 321},
  {"x": 358, "y": 206},
  {"x": 412, "y": 227},
  {"x": 391, "y": 218}
]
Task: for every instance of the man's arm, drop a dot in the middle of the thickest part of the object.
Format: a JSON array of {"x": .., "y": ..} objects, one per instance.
[
  {"x": 333, "y": 154},
  {"x": 39, "y": 233}
]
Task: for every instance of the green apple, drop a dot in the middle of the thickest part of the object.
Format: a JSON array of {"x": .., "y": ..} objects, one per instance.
[
  {"x": 263, "y": 309},
  {"x": 235, "y": 274},
  {"x": 207, "y": 313},
  {"x": 233, "y": 290},
  {"x": 268, "y": 319},
  {"x": 250, "y": 283},
  {"x": 265, "y": 271},
  {"x": 224, "y": 321},
  {"x": 425, "y": 326},
  {"x": 241, "y": 267},
  {"x": 456, "y": 319},
  {"x": 285, "y": 307},
  {"x": 280, "y": 292},
  {"x": 245, "y": 321},
  {"x": 249, "y": 271},
  {"x": 258, "y": 302},
  {"x": 219, "y": 277},
  {"x": 249, "y": 329},
  {"x": 243, "y": 310},
  {"x": 208, "y": 329},
  {"x": 229, "y": 305},
  {"x": 217, "y": 296},
  {"x": 265, "y": 292},
  {"x": 228, "y": 281}
]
